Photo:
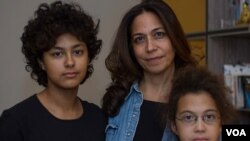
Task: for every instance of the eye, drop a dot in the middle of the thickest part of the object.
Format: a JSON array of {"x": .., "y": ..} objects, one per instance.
[
  {"x": 57, "y": 54},
  {"x": 139, "y": 39},
  {"x": 159, "y": 34},
  {"x": 78, "y": 52},
  {"x": 210, "y": 117},
  {"x": 188, "y": 117}
]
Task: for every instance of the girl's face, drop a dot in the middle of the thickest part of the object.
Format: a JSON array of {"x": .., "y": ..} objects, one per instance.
[
  {"x": 152, "y": 47},
  {"x": 66, "y": 63},
  {"x": 197, "y": 118}
]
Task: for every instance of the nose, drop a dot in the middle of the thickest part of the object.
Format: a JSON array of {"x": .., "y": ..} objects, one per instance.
[
  {"x": 151, "y": 46},
  {"x": 200, "y": 125},
  {"x": 69, "y": 60}
]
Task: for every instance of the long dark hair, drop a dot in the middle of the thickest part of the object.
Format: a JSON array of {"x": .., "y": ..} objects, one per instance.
[{"x": 121, "y": 61}]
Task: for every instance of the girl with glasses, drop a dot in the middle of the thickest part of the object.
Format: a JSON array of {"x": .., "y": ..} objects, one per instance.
[{"x": 198, "y": 106}]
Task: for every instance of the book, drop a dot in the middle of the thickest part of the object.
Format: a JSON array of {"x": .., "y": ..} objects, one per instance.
[
  {"x": 246, "y": 90},
  {"x": 236, "y": 80}
]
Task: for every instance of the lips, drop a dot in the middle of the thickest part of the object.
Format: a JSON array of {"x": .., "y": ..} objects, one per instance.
[
  {"x": 154, "y": 59},
  {"x": 70, "y": 74},
  {"x": 200, "y": 139}
]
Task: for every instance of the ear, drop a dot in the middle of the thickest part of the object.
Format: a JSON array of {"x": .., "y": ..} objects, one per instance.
[
  {"x": 173, "y": 127},
  {"x": 41, "y": 64}
]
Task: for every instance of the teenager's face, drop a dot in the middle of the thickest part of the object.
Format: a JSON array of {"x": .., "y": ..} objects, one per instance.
[
  {"x": 207, "y": 127},
  {"x": 66, "y": 63},
  {"x": 152, "y": 47}
]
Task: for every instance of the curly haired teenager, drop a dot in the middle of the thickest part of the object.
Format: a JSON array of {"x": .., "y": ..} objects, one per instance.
[
  {"x": 198, "y": 105},
  {"x": 59, "y": 45}
]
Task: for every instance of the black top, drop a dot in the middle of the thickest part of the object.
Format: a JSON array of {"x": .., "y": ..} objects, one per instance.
[
  {"x": 149, "y": 127},
  {"x": 30, "y": 121}
]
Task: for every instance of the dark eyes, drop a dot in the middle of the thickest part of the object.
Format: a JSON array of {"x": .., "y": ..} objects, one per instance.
[
  {"x": 159, "y": 35},
  {"x": 190, "y": 118},
  {"x": 209, "y": 117},
  {"x": 60, "y": 53},
  {"x": 142, "y": 38},
  {"x": 139, "y": 39},
  {"x": 78, "y": 52},
  {"x": 57, "y": 54}
]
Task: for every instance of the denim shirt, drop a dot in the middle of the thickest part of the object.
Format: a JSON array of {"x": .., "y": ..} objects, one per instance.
[{"x": 122, "y": 127}]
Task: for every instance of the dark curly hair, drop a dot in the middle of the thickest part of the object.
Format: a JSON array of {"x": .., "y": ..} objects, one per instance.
[
  {"x": 51, "y": 21},
  {"x": 195, "y": 80}
]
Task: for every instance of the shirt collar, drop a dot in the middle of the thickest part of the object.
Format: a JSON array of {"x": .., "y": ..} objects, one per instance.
[{"x": 134, "y": 89}]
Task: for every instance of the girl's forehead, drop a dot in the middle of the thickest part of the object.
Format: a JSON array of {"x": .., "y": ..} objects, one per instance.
[{"x": 196, "y": 102}]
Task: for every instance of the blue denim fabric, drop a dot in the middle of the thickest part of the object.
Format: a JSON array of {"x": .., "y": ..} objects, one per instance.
[
  {"x": 169, "y": 135},
  {"x": 122, "y": 127}
]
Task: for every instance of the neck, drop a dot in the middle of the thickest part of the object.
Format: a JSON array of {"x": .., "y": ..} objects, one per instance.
[
  {"x": 62, "y": 104},
  {"x": 156, "y": 87}
]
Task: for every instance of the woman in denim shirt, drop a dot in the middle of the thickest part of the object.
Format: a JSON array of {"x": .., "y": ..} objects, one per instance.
[{"x": 149, "y": 47}]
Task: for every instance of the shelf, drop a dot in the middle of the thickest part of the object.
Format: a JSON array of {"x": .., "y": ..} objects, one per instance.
[
  {"x": 240, "y": 31},
  {"x": 226, "y": 43},
  {"x": 196, "y": 35},
  {"x": 243, "y": 110}
]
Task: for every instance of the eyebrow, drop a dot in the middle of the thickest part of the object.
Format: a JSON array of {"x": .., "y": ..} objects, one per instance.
[
  {"x": 209, "y": 110},
  {"x": 56, "y": 48},
  {"x": 155, "y": 29},
  {"x": 61, "y": 48},
  {"x": 158, "y": 29}
]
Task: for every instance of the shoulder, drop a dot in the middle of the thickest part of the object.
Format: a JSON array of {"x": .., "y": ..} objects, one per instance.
[
  {"x": 89, "y": 105},
  {"x": 94, "y": 112},
  {"x": 12, "y": 119},
  {"x": 91, "y": 108},
  {"x": 22, "y": 107}
]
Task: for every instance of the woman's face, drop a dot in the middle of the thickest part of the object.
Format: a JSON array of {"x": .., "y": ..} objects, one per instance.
[
  {"x": 66, "y": 63},
  {"x": 197, "y": 118},
  {"x": 152, "y": 47}
]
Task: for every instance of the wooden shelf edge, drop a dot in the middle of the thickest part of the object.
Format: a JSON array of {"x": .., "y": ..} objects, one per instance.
[
  {"x": 196, "y": 35},
  {"x": 244, "y": 110},
  {"x": 235, "y": 31}
]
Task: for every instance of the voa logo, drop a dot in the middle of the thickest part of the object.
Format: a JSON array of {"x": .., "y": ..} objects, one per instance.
[{"x": 236, "y": 132}]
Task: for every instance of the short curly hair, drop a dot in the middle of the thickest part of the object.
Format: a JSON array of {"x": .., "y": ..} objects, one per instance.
[
  {"x": 195, "y": 80},
  {"x": 51, "y": 21}
]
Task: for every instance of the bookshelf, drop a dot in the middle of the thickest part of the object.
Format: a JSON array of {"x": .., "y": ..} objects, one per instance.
[
  {"x": 224, "y": 41},
  {"x": 225, "y": 44}
]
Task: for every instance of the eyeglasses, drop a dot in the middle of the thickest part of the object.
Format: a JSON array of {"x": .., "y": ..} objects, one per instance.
[{"x": 189, "y": 118}]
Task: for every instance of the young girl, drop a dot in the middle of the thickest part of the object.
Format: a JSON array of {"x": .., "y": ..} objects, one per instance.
[
  {"x": 59, "y": 44},
  {"x": 198, "y": 105}
]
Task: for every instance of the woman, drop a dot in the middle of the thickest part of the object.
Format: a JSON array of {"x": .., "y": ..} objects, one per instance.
[
  {"x": 149, "y": 47},
  {"x": 59, "y": 44}
]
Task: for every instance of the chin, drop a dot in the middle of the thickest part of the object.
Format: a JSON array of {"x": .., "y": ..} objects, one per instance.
[{"x": 71, "y": 85}]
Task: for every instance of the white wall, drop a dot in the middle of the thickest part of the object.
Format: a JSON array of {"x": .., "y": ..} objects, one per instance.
[{"x": 15, "y": 82}]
